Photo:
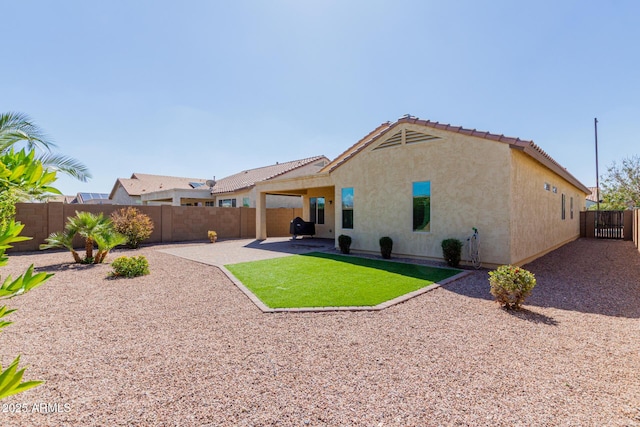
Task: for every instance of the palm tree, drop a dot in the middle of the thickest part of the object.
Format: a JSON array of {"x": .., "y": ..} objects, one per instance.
[
  {"x": 88, "y": 226},
  {"x": 95, "y": 229},
  {"x": 61, "y": 239},
  {"x": 18, "y": 129},
  {"x": 107, "y": 240}
]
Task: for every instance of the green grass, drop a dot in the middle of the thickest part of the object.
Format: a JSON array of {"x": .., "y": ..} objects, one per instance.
[{"x": 327, "y": 280}]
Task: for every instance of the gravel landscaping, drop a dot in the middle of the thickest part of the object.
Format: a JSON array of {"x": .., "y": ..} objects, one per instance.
[{"x": 184, "y": 347}]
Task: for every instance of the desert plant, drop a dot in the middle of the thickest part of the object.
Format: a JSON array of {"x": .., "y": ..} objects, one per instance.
[
  {"x": 386, "y": 245},
  {"x": 134, "y": 224},
  {"x": 95, "y": 229},
  {"x": 510, "y": 285},
  {"x": 212, "y": 235},
  {"x": 344, "y": 242},
  {"x": 20, "y": 175},
  {"x": 130, "y": 266},
  {"x": 452, "y": 251},
  {"x": 106, "y": 241}
]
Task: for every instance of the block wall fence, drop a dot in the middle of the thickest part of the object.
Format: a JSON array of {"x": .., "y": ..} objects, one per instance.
[
  {"x": 171, "y": 223},
  {"x": 636, "y": 228}
]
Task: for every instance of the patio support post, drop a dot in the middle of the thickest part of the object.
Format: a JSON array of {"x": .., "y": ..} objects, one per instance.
[
  {"x": 261, "y": 216},
  {"x": 176, "y": 200}
]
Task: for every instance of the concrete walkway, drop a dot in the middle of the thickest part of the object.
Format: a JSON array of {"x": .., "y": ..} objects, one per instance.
[{"x": 225, "y": 252}]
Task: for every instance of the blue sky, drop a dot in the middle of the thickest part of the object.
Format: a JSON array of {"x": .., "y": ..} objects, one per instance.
[{"x": 203, "y": 88}]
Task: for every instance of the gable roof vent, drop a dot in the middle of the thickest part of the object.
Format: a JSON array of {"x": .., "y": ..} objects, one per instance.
[
  {"x": 413, "y": 137},
  {"x": 395, "y": 140}
]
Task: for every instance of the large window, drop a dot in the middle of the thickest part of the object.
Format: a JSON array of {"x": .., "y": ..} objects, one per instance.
[
  {"x": 227, "y": 203},
  {"x": 316, "y": 209},
  {"x": 422, "y": 206},
  {"x": 347, "y": 207}
]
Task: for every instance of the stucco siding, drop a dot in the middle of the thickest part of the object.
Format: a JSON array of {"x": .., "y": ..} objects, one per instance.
[
  {"x": 469, "y": 188},
  {"x": 536, "y": 212},
  {"x": 121, "y": 197}
]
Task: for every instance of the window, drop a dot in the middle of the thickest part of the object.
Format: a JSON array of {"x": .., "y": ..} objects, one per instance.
[
  {"x": 422, "y": 206},
  {"x": 547, "y": 186},
  {"x": 316, "y": 209},
  {"x": 347, "y": 207},
  {"x": 564, "y": 203},
  {"x": 209, "y": 203},
  {"x": 227, "y": 203},
  {"x": 245, "y": 202},
  {"x": 555, "y": 190},
  {"x": 571, "y": 207}
]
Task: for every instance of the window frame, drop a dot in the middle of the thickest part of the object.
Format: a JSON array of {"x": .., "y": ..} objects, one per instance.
[
  {"x": 426, "y": 183},
  {"x": 349, "y": 191}
]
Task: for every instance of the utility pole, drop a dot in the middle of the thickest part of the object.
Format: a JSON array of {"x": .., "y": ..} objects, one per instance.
[{"x": 595, "y": 124}]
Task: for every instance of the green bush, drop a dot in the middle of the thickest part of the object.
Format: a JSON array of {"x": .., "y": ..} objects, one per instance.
[
  {"x": 130, "y": 266},
  {"x": 510, "y": 285},
  {"x": 386, "y": 245},
  {"x": 451, "y": 251},
  {"x": 134, "y": 224},
  {"x": 344, "y": 242}
]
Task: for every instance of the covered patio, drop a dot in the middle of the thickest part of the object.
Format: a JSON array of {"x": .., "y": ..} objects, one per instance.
[{"x": 318, "y": 202}]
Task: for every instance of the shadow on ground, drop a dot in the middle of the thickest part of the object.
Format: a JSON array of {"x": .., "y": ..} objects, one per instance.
[
  {"x": 586, "y": 275},
  {"x": 292, "y": 246}
]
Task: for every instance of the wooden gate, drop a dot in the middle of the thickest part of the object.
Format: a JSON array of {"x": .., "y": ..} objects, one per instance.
[{"x": 606, "y": 224}]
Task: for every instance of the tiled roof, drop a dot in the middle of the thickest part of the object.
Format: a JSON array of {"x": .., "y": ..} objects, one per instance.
[
  {"x": 140, "y": 183},
  {"x": 593, "y": 197},
  {"x": 529, "y": 147},
  {"x": 248, "y": 178}
]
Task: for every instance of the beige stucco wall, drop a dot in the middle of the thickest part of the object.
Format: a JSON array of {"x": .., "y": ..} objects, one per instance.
[
  {"x": 469, "y": 188},
  {"x": 326, "y": 230},
  {"x": 537, "y": 226},
  {"x": 121, "y": 197}
]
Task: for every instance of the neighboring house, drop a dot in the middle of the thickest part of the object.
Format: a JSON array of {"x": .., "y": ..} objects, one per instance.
[
  {"x": 233, "y": 191},
  {"x": 83, "y": 198},
  {"x": 93, "y": 199},
  {"x": 592, "y": 199},
  {"x": 129, "y": 191},
  {"x": 421, "y": 182}
]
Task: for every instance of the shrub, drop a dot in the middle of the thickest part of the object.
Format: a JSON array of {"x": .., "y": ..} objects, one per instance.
[
  {"x": 510, "y": 285},
  {"x": 134, "y": 224},
  {"x": 212, "y": 235},
  {"x": 451, "y": 251},
  {"x": 344, "y": 242},
  {"x": 386, "y": 245},
  {"x": 95, "y": 229},
  {"x": 130, "y": 266}
]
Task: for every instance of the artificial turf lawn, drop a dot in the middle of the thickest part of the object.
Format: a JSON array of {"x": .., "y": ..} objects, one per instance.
[{"x": 328, "y": 280}]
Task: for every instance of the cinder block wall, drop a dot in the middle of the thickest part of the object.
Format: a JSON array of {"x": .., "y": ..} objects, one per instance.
[{"x": 171, "y": 223}]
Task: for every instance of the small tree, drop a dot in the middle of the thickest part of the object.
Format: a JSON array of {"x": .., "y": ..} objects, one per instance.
[
  {"x": 95, "y": 229},
  {"x": 134, "y": 224},
  {"x": 621, "y": 185}
]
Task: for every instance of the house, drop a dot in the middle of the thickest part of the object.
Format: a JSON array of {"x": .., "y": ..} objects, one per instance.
[
  {"x": 233, "y": 191},
  {"x": 421, "y": 182},
  {"x": 592, "y": 199},
  {"x": 129, "y": 191},
  {"x": 82, "y": 198}
]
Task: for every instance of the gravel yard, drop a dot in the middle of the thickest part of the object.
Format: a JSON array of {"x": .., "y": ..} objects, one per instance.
[{"x": 184, "y": 347}]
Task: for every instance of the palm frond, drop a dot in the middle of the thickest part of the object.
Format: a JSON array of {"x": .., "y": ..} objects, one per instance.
[
  {"x": 18, "y": 127},
  {"x": 66, "y": 164}
]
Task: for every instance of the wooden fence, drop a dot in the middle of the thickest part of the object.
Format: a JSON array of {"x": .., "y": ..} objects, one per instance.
[{"x": 171, "y": 223}]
